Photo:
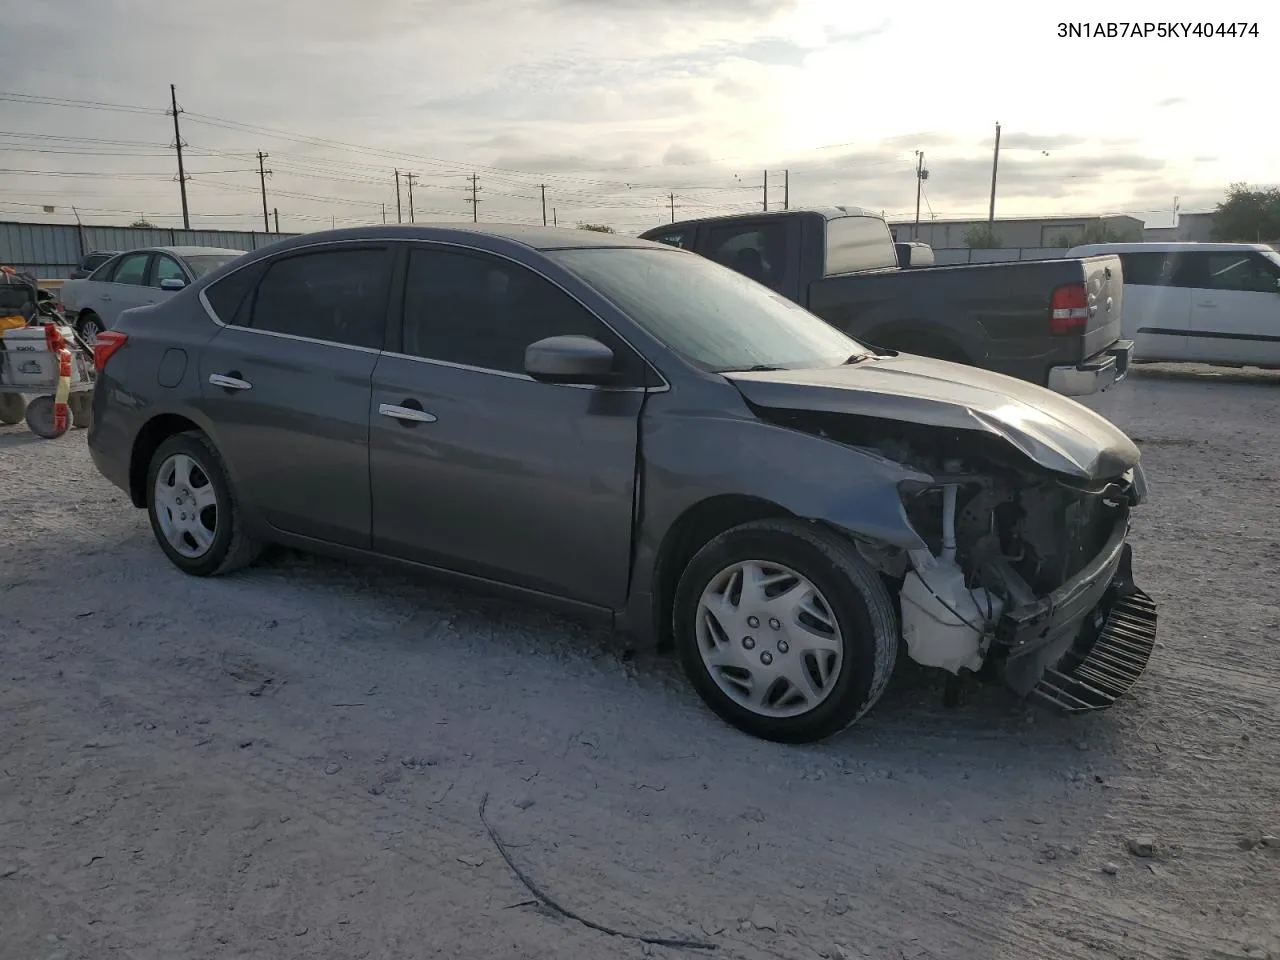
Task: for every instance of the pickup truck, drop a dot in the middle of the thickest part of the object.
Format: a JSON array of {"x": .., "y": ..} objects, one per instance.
[{"x": 1055, "y": 323}]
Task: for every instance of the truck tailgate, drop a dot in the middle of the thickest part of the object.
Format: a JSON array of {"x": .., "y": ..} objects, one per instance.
[{"x": 1104, "y": 279}]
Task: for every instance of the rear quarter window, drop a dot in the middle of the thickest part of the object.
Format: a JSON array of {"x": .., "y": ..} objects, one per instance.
[
  {"x": 229, "y": 298},
  {"x": 857, "y": 244}
]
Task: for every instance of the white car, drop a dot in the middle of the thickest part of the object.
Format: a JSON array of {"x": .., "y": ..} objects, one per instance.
[
  {"x": 1200, "y": 302},
  {"x": 135, "y": 279}
]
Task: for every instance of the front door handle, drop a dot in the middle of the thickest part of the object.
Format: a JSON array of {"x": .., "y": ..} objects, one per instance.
[
  {"x": 406, "y": 414},
  {"x": 229, "y": 383}
]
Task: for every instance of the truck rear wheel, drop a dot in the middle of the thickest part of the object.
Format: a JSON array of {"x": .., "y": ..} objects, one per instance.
[{"x": 784, "y": 630}]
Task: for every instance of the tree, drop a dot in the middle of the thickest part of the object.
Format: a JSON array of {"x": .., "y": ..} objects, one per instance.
[
  {"x": 1248, "y": 215},
  {"x": 143, "y": 224},
  {"x": 982, "y": 237},
  {"x": 1097, "y": 232},
  {"x": 596, "y": 228}
]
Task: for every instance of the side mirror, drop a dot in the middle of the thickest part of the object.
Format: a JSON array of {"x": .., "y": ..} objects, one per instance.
[
  {"x": 172, "y": 283},
  {"x": 569, "y": 359}
]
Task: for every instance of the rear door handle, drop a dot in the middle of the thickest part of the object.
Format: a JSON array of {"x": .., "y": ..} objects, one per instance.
[
  {"x": 405, "y": 414},
  {"x": 229, "y": 383}
]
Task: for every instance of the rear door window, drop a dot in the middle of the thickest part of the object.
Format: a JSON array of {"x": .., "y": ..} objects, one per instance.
[{"x": 339, "y": 296}]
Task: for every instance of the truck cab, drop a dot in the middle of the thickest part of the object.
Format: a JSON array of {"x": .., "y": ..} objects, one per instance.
[{"x": 1055, "y": 323}]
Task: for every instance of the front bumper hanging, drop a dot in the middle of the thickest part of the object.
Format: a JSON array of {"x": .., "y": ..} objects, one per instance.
[{"x": 1096, "y": 678}]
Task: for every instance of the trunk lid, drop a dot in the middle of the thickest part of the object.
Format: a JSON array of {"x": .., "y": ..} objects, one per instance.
[{"x": 1052, "y": 430}]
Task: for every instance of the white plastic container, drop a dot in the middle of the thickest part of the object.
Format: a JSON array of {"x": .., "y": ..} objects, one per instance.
[{"x": 943, "y": 621}]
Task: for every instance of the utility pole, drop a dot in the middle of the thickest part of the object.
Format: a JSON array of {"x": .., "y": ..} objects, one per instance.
[
  {"x": 921, "y": 175},
  {"x": 384, "y": 213},
  {"x": 544, "y": 204},
  {"x": 177, "y": 145},
  {"x": 672, "y": 198},
  {"x": 786, "y": 189},
  {"x": 411, "y": 177},
  {"x": 473, "y": 199},
  {"x": 399, "y": 219},
  {"x": 554, "y": 221},
  {"x": 262, "y": 178},
  {"x": 995, "y": 165},
  {"x": 275, "y": 212},
  {"x": 766, "y": 190}
]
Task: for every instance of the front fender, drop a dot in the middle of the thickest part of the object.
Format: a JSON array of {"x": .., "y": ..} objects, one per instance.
[
  {"x": 689, "y": 459},
  {"x": 806, "y": 475}
]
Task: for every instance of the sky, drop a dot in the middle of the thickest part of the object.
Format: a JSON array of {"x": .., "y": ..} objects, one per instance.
[{"x": 621, "y": 109}]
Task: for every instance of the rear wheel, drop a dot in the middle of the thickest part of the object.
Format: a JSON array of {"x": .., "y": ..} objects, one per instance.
[
  {"x": 42, "y": 418},
  {"x": 193, "y": 510},
  {"x": 784, "y": 630},
  {"x": 12, "y": 408}
]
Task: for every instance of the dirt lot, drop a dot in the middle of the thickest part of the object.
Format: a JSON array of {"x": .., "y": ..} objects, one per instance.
[{"x": 290, "y": 762}]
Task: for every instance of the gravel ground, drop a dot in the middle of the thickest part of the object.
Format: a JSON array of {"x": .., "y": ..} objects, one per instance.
[{"x": 291, "y": 762}]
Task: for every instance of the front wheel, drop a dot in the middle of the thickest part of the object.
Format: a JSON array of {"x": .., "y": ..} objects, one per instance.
[
  {"x": 193, "y": 511},
  {"x": 784, "y": 630},
  {"x": 87, "y": 329}
]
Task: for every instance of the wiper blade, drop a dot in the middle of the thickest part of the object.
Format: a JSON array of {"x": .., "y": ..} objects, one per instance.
[
  {"x": 758, "y": 368},
  {"x": 858, "y": 358}
]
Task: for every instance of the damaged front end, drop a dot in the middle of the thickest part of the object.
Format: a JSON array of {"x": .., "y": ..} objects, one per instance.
[{"x": 1026, "y": 573}]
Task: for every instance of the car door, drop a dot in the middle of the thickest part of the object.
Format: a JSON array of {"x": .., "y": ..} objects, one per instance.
[
  {"x": 126, "y": 288},
  {"x": 1157, "y": 305},
  {"x": 480, "y": 469},
  {"x": 1235, "y": 316},
  {"x": 286, "y": 382}
]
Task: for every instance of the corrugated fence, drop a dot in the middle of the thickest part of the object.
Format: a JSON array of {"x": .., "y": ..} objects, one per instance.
[{"x": 52, "y": 250}]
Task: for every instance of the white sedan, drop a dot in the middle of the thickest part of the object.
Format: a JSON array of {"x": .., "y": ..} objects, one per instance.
[{"x": 135, "y": 279}]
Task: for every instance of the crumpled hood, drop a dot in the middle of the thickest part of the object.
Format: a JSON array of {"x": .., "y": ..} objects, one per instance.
[{"x": 1054, "y": 431}]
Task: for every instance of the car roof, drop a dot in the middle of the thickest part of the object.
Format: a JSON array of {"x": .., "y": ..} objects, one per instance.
[
  {"x": 534, "y": 237},
  {"x": 827, "y": 213},
  {"x": 1166, "y": 247}
]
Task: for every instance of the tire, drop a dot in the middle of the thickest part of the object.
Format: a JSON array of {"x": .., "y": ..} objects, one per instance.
[
  {"x": 855, "y": 602},
  {"x": 12, "y": 408},
  {"x": 41, "y": 418},
  {"x": 81, "y": 405},
  {"x": 88, "y": 327},
  {"x": 223, "y": 544}
]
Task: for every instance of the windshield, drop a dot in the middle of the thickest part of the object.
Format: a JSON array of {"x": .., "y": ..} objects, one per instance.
[
  {"x": 712, "y": 316},
  {"x": 203, "y": 263}
]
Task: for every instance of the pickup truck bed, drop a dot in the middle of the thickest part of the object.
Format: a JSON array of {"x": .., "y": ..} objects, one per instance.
[{"x": 1055, "y": 323}]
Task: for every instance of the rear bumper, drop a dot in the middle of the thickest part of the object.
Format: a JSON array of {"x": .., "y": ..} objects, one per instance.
[
  {"x": 1086, "y": 644},
  {"x": 1095, "y": 374}
]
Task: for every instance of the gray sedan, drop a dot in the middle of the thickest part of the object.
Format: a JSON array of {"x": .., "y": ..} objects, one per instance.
[
  {"x": 134, "y": 279},
  {"x": 633, "y": 433}
]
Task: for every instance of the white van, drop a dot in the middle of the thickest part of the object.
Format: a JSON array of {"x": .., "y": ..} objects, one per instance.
[{"x": 1200, "y": 302}]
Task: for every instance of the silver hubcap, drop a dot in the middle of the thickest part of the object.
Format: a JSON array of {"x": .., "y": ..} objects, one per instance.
[
  {"x": 769, "y": 639},
  {"x": 89, "y": 331},
  {"x": 186, "y": 506}
]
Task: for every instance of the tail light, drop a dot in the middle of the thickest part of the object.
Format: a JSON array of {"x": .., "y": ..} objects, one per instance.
[
  {"x": 1069, "y": 309},
  {"x": 108, "y": 342}
]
